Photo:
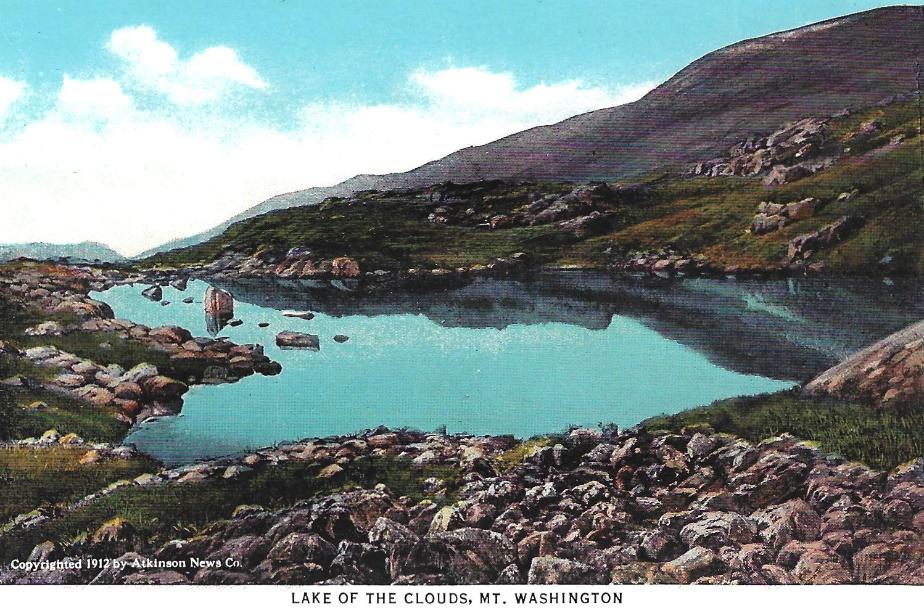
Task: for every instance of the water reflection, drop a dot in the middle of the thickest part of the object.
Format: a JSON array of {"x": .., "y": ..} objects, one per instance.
[
  {"x": 781, "y": 328},
  {"x": 215, "y": 322}
]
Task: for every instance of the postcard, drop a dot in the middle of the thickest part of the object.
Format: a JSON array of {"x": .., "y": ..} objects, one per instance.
[{"x": 509, "y": 304}]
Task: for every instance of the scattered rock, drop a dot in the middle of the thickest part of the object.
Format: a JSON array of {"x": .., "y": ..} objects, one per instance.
[
  {"x": 306, "y": 315},
  {"x": 299, "y": 340},
  {"x": 330, "y": 471},
  {"x": 804, "y": 246},
  {"x": 695, "y": 563},
  {"x": 153, "y": 293}
]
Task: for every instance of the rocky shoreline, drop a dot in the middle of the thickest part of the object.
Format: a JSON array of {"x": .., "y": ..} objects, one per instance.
[
  {"x": 595, "y": 507},
  {"x": 135, "y": 393},
  {"x": 662, "y": 264}
]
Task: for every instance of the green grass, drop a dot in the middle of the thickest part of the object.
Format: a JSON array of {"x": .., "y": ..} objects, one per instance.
[
  {"x": 100, "y": 347},
  {"x": 387, "y": 230},
  {"x": 32, "y": 478},
  {"x": 64, "y": 414},
  {"x": 172, "y": 511},
  {"x": 14, "y": 318},
  {"x": 103, "y": 348},
  {"x": 12, "y": 365},
  {"x": 881, "y": 439}
]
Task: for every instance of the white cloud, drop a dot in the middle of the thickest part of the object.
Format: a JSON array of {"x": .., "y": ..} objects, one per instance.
[
  {"x": 93, "y": 98},
  {"x": 98, "y": 166},
  {"x": 10, "y": 91},
  {"x": 451, "y": 109},
  {"x": 156, "y": 66},
  {"x": 479, "y": 92}
]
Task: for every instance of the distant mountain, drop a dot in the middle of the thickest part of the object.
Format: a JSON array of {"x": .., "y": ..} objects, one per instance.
[
  {"x": 83, "y": 252},
  {"x": 726, "y": 96}
]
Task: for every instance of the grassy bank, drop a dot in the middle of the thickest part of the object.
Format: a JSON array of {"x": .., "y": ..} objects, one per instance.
[
  {"x": 881, "y": 439},
  {"x": 32, "y": 478},
  {"x": 25, "y": 414},
  {"x": 30, "y": 412},
  {"x": 177, "y": 510}
]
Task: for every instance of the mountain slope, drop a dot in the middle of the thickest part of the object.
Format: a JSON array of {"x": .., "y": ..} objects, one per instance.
[
  {"x": 746, "y": 88},
  {"x": 854, "y": 208},
  {"x": 86, "y": 251},
  {"x": 727, "y": 95}
]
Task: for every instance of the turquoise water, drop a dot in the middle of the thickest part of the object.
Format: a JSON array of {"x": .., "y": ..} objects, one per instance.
[{"x": 408, "y": 370}]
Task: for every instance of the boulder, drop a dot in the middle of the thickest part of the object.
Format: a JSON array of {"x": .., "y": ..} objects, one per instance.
[
  {"x": 47, "y": 328},
  {"x": 94, "y": 394},
  {"x": 45, "y": 550},
  {"x": 361, "y": 563},
  {"x": 871, "y": 374},
  {"x": 792, "y": 520},
  {"x": 114, "y": 530},
  {"x": 695, "y": 563},
  {"x": 91, "y": 457},
  {"x": 218, "y": 303},
  {"x": 786, "y": 174},
  {"x": 397, "y": 541},
  {"x": 819, "y": 565},
  {"x": 805, "y": 245},
  {"x": 330, "y": 471},
  {"x": 719, "y": 528},
  {"x": 548, "y": 570},
  {"x": 170, "y": 335},
  {"x": 464, "y": 556},
  {"x": 345, "y": 268},
  {"x": 153, "y": 293},
  {"x": 300, "y": 547},
  {"x": 163, "y": 388},
  {"x": 163, "y": 577},
  {"x": 298, "y": 340},
  {"x": 235, "y": 470},
  {"x": 447, "y": 518},
  {"x": 764, "y": 224},
  {"x": 802, "y": 209},
  {"x": 140, "y": 372},
  {"x": 128, "y": 391},
  {"x": 306, "y": 315}
]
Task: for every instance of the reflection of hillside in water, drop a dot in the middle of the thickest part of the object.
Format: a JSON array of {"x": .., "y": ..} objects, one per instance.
[{"x": 780, "y": 328}]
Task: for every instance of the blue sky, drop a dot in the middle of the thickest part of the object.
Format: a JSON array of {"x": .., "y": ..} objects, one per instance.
[{"x": 120, "y": 90}]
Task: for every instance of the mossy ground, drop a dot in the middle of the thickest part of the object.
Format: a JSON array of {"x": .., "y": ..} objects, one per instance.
[
  {"x": 879, "y": 438},
  {"x": 29, "y": 413},
  {"x": 21, "y": 417},
  {"x": 103, "y": 348},
  {"x": 177, "y": 510},
  {"x": 32, "y": 478}
]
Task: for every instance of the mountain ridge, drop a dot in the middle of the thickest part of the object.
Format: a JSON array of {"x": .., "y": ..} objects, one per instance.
[
  {"x": 83, "y": 251},
  {"x": 726, "y": 95}
]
